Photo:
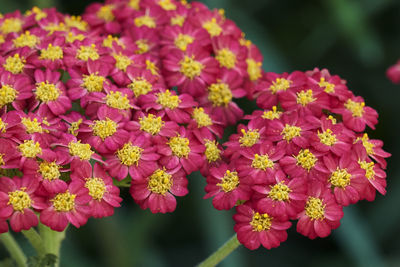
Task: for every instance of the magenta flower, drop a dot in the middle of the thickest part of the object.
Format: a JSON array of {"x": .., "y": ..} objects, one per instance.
[{"x": 14, "y": 90}]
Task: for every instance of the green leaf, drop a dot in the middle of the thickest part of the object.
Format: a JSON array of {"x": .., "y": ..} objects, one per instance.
[{"x": 48, "y": 260}]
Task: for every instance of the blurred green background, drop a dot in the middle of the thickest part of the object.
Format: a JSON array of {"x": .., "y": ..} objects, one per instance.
[{"x": 357, "y": 40}]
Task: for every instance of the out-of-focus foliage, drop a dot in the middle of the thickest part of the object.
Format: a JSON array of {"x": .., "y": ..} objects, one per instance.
[{"x": 357, "y": 40}]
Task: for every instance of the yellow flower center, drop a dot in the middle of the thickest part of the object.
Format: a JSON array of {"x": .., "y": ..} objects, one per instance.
[
  {"x": 261, "y": 222},
  {"x": 49, "y": 170},
  {"x": 219, "y": 94},
  {"x": 108, "y": 42},
  {"x": 226, "y": 58},
  {"x": 11, "y": 25},
  {"x": 129, "y": 155},
  {"x": 332, "y": 119},
  {"x": 2, "y": 39},
  {"x": 47, "y": 92},
  {"x": 1, "y": 159},
  {"x": 32, "y": 126},
  {"x": 151, "y": 124},
  {"x": 160, "y": 182},
  {"x": 229, "y": 182},
  {"x": 190, "y": 68},
  {"x": 340, "y": 178},
  {"x": 122, "y": 62},
  {"x": 179, "y": 146},
  {"x": 167, "y": 5},
  {"x": 262, "y": 162},
  {"x": 118, "y": 100},
  {"x": 357, "y": 108},
  {"x": 151, "y": 66},
  {"x": 30, "y": 149},
  {"x": 289, "y": 132},
  {"x": 96, "y": 187},
  {"x": 145, "y": 20},
  {"x": 315, "y": 209},
  {"x": 19, "y": 200},
  {"x": 7, "y": 95},
  {"x": 52, "y": 52},
  {"x": 93, "y": 82},
  {"x": 140, "y": 86},
  {"x": 104, "y": 128},
  {"x": 134, "y": 4},
  {"x": 306, "y": 159},
  {"x": 53, "y": 27},
  {"x": 280, "y": 84},
  {"x": 73, "y": 129},
  {"x": 212, "y": 152},
  {"x": 106, "y": 13},
  {"x": 76, "y": 22},
  {"x": 87, "y": 52},
  {"x": 253, "y": 69},
  {"x": 167, "y": 100},
  {"x": 71, "y": 37},
  {"x": 3, "y": 126},
  {"x": 279, "y": 192},
  {"x": 369, "y": 169},
  {"x": 142, "y": 45},
  {"x": 271, "y": 114},
  {"x": 305, "y": 97},
  {"x": 39, "y": 14},
  {"x": 178, "y": 20},
  {"x": 329, "y": 87},
  {"x": 64, "y": 202},
  {"x": 15, "y": 64},
  {"x": 212, "y": 27},
  {"x": 327, "y": 137},
  {"x": 26, "y": 39},
  {"x": 83, "y": 151},
  {"x": 369, "y": 147},
  {"x": 182, "y": 41},
  {"x": 249, "y": 138},
  {"x": 202, "y": 118}
]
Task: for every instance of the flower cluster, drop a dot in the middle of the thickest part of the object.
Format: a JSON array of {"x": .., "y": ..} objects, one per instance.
[{"x": 138, "y": 93}]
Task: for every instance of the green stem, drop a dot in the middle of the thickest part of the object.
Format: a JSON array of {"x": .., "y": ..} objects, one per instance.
[
  {"x": 14, "y": 249},
  {"x": 36, "y": 241},
  {"x": 221, "y": 253},
  {"x": 52, "y": 241}
]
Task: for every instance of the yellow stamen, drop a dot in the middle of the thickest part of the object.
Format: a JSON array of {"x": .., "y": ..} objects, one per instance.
[
  {"x": 305, "y": 97},
  {"x": 182, "y": 41},
  {"x": 179, "y": 146},
  {"x": 202, "y": 118},
  {"x": 151, "y": 124},
  {"x": 64, "y": 202},
  {"x": 315, "y": 208},
  {"x": 229, "y": 182},
  {"x": 226, "y": 58},
  {"x": 97, "y": 187},
  {"x": 357, "y": 108},
  {"x": 87, "y": 52},
  {"x": 261, "y": 222},
  {"x": 104, "y": 128},
  {"x": 327, "y": 137},
  {"x": 262, "y": 162},
  {"x": 7, "y": 95},
  {"x": 160, "y": 182},
  {"x": 118, "y": 100},
  {"x": 46, "y": 92},
  {"x": 290, "y": 132},
  {"x": 280, "y": 84},
  {"x": 213, "y": 153},
  {"x": 306, "y": 159},
  {"x": 140, "y": 86},
  {"x": 168, "y": 100},
  {"x": 190, "y": 67},
  {"x": 129, "y": 155},
  {"x": 83, "y": 151},
  {"x": 219, "y": 94},
  {"x": 212, "y": 27},
  {"x": 20, "y": 200}
]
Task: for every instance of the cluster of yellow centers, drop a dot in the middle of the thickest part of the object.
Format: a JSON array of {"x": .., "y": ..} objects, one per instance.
[
  {"x": 202, "y": 118},
  {"x": 49, "y": 170},
  {"x": 271, "y": 114},
  {"x": 143, "y": 46},
  {"x": 167, "y": 5},
  {"x": 77, "y": 149},
  {"x": 105, "y": 12},
  {"x": 140, "y": 86},
  {"x": 47, "y": 92},
  {"x": 219, "y": 94},
  {"x": 11, "y": 25},
  {"x": 182, "y": 41},
  {"x": 190, "y": 67},
  {"x": 340, "y": 178},
  {"x": 14, "y": 64},
  {"x": 306, "y": 159},
  {"x": 179, "y": 146},
  {"x": 289, "y": 132},
  {"x": 87, "y": 52},
  {"x": 151, "y": 124},
  {"x": 160, "y": 182},
  {"x": 229, "y": 182},
  {"x": 129, "y": 155},
  {"x": 212, "y": 152},
  {"x": 104, "y": 128},
  {"x": 212, "y": 27},
  {"x": 64, "y": 202},
  {"x": 327, "y": 137},
  {"x": 3, "y": 126},
  {"x": 30, "y": 149},
  {"x": 168, "y": 100},
  {"x": 121, "y": 61},
  {"x": 356, "y": 108},
  {"x": 305, "y": 97},
  {"x": 280, "y": 84},
  {"x": 261, "y": 222},
  {"x": 34, "y": 126},
  {"x": 19, "y": 199},
  {"x": 26, "y": 39},
  {"x": 315, "y": 208},
  {"x": 7, "y": 95},
  {"x": 145, "y": 20},
  {"x": 116, "y": 99},
  {"x": 262, "y": 162},
  {"x": 279, "y": 192},
  {"x": 253, "y": 69},
  {"x": 73, "y": 129},
  {"x": 93, "y": 82},
  {"x": 249, "y": 138},
  {"x": 52, "y": 52},
  {"x": 96, "y": 187},
  {"x": 226, "y": 58},
  {"x": 329, "y": 87},
  {"x": 369, "y": 169}
]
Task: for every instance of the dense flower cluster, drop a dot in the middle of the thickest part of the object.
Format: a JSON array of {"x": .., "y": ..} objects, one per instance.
[{"x": 138, "y": 93}]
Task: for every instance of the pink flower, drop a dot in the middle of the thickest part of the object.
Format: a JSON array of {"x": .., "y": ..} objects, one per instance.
[
  {"x": 393, "y": 72},
  {"x": 373, "y": 148},
  {"x": 14, "y": 90},
  {"x": 103, "y": 16}
]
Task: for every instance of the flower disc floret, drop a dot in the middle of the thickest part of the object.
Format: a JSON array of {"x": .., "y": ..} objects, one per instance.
[
  {"x": 229, "y": 182},
  {"x": 327, "y": 137},
  {"x": 87, "y": 52},
  {"x": 64, "y": 202},
  {"x": 2, "y": 159},
  {"x": 49, "y": 170},
  {"x": 329, "y": 87},
  {"x": 212, "y": 27},
  {"x": 96, "y": 187},
  {"x": 249, "y": 138},
  {"x": 202, "y": 118},
  {"x": 356, "y": 108},
  {"x": 369, "y": 169},
  {"x": 15, "y": 64},
  {"x": 315, "y": 208},
  {"x": 261, "y": 222},
  {"x": 11, "y": 25},
  {"x": 179, "y": 146},
  {"x": 151, "y": 124},
  {"x": 190, "y": 67},
  {"x": 73, "y": 129},
  {"x": 129, "y": 155},
  {"x": 26, "y": 39},
  {"x": 280, "y": 84},
  {"x": 305, "y": 97},
  {"x": 226, "y": 58},
  {"x": 279, "y": 192},
  {"x": 83, "y": 151},
  {"x": 32, "y": 126},
  {"x": 262, "y": 162},
  {"x": 117, "y": 100},
  {"x": 160, "y": 182},
  {"x": 7, "y": 95},
  {"x": 272, "y": 114},
  {"x": 306, "y": 159},
  {"x": 106, "y": 13},
  {"x": 168, "y": 100},
  {"x": 30, "y": 149},
  {"x": 212, "y": 152},
  {"x": 289, "y": 132},
  {"x": 219, "y": 94},
  {"x": 182, "y": 41},
  {"x": 340, "y": 178},
  {"x": 52, "y": 52},
  {"x": 104, "y": 128},
  {"x": 93, "y": 82},
  {"x": 3, "y": 126},
  {"x": 253, "y": 69},
  {"x": 47, "y": 92},
  {"x": 19, "y": 200},
  {"x": 122, "y": 62},
  {"x": 140, "y": 86},
  {"x": 145, "y": 20}
]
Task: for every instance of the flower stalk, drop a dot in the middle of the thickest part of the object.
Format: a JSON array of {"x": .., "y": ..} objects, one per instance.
[
  {"x": 14, "y": 249},
  {"x": 221, "y": 253}
]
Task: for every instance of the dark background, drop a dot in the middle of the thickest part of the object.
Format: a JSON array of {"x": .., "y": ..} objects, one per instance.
[{"x": 357, "y": 40}]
